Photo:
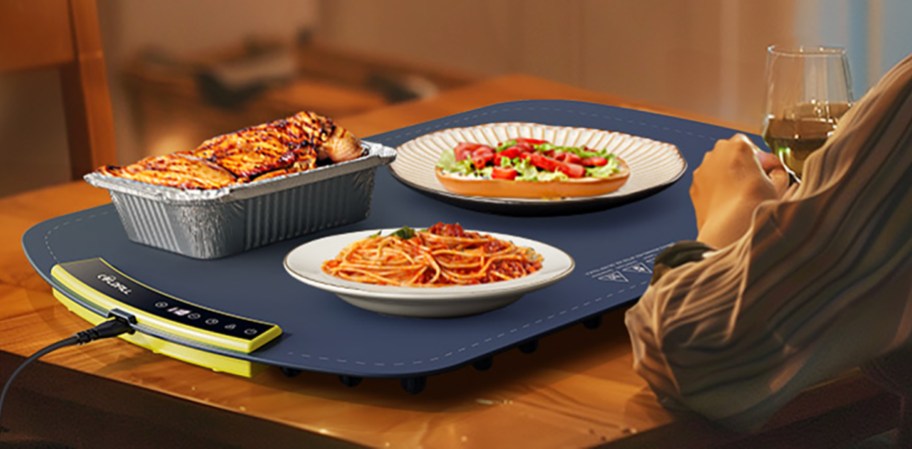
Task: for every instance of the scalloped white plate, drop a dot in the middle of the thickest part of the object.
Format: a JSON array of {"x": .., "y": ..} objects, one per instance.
[
  {"x": 653, "y": 165},
  {"x": 304, "y": 263}
]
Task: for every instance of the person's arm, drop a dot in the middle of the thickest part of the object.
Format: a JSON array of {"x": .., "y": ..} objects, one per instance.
[
  {"x": 728, "y": 185},
  {"x": 800, "y": 288}
]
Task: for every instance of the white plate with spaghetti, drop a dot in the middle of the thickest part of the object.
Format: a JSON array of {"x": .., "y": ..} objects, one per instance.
[{"x": 413, "y": 296}]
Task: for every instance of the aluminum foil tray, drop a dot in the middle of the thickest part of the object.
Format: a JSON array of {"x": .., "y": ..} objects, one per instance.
[{"x": 208, "y": 224}]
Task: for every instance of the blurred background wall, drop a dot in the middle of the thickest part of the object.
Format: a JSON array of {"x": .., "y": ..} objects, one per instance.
[
  {"x": 181, "y": 71},
  {"x": 174, "y": 31}
]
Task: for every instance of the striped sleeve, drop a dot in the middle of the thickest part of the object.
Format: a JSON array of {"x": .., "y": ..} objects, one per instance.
[{"x": 819, "y": 284}]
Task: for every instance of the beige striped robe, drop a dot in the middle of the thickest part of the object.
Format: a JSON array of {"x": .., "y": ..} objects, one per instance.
[{"x": 819, "y": 284}]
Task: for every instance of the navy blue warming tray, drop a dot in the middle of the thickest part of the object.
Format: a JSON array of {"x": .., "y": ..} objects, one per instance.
[{"x": 614, "y": 251}]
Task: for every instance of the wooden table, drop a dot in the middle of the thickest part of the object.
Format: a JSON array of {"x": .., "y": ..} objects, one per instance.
[{"x": 577, "y": 390}]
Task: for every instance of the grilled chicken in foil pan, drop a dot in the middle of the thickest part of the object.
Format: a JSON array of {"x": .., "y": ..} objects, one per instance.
[{"x": 246, "y": 189}]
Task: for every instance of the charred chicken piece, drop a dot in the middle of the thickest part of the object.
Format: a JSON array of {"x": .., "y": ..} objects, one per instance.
[
  {"x": 175, "y": 170},
  {"x": 256, "y": 153},
  {"x": 249, "y": 153},
  {"x": 331, "y": 142}
]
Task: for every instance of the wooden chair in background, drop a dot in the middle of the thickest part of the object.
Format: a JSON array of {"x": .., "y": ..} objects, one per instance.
[{"x": 64, "y": 34}]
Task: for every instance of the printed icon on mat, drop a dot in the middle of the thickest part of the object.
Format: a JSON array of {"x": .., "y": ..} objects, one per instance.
[
  {"x": 211, "y": 321},
  {"x": 250, "y": 331},
  {"x": 639, "y": 268},
  {"x": 614, "y": 276},
  {"x": 194, "y": 316},
  {"x": 635, "y": 267},
  {"x": 161, "y": 305},
  {"x": 230, "y": 327}
]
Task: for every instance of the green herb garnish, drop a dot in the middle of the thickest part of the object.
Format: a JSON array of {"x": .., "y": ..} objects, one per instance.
[{"x": 404, "y": 233}]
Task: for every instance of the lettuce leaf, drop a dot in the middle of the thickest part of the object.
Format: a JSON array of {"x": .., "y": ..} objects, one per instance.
[
  {"x": 505, "y": 145},
  {"x": 525, "y": 170},
  {"x": 449, "y": 164},
  {"x": 606, "y": 171},
  {"x": 545, "y": 176},
  {"x": 575, "y": 150}
]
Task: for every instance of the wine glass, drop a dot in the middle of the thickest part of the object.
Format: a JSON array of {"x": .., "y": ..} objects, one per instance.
[{"x": 808, "y": 90}]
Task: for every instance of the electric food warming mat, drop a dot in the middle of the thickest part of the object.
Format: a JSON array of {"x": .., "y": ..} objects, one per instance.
[{"x": 229, "y": 312}]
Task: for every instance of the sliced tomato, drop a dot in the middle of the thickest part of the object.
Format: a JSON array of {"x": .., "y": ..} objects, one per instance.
[
  {"x": 511, "y": 152},
  {"x": 525, "y": 156},
  {"x": 464, "y": 150},
  {"x": 556, "y": 154},
  {"x": 594, "y": 161},
  {"x": 524, "y": 147},
  {"x": 544, "y": 162},
  {"x": 504, "y": 173},
  {"x": 530, "y": 141},
  {"x": 481, "y": 162},
  {"x": 482, "y": 155},
  {"x": 572, "y": 158},
  {"x": 572, "y": 170}
]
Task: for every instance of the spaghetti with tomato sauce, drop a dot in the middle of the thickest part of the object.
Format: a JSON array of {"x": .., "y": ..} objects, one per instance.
[{"x": 442, "y": 255}]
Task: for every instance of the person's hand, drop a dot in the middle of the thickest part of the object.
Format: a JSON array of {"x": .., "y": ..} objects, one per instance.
[{"x": 733, "y": 179}]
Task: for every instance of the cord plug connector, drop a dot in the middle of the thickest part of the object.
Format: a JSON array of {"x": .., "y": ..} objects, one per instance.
[{"x": 107, "y": 329}]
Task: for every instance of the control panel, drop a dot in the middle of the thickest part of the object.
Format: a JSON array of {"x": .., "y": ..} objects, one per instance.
[{"x": 96, "y": 281}]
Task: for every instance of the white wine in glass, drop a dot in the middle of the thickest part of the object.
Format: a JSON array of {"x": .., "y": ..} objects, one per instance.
[{"x": 808, "y": 90}]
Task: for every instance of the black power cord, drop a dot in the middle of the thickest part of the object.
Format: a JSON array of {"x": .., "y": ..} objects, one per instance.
[{"x": 111, "y": 328}]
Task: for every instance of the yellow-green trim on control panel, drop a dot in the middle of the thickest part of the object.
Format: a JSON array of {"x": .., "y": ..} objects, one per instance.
[
  {"x": 183, "y": 331},
  {"x": 215, "y": 362}
]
